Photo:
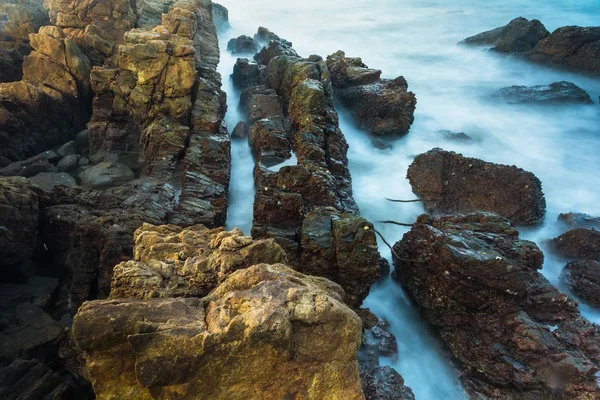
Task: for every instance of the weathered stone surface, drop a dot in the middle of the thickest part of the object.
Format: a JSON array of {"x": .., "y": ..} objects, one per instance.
[
  {"x": 220, "y": 16},
  {"x": 379, "y": 106},
  {"x": 484, "y": 38},
  {"x": 519, "y": 36},
  {"x": 571, "y": 47},
  {"x": 240, "y": 131},
  {"x": 511, "y": 332},
  {"x": 582, "y": 243},
  {"x": 579, "y": 220},
  {"x": 246, "y": 73},
  {"x": 273, "y": 49},
  {"x": 451, "y": 183},
  {"x": 106, "y": 174},
  {"x": 242, "y": 45},
  {"x": 170, "y": 261},
  {"x": 582, "y": 278},
  {"x": 555, "y": 93},
  {"x": 266, "y": 331},
  {"x": 34, "y": 380},
  {"x": 20, "y": 18},
  {"x": 384, "y": 383},
  {"x": 11, "y": 60},
  {"x": 263, "y": 36},
  {"x": 49, "y": 180}
]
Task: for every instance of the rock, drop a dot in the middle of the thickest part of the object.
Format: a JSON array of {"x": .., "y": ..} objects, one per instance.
[
  {"x": 4, "y": 162},
  {"x": 246, "y": 73},
  {"x": 263, "y": 36},
  {"x": 451, "y": 183},
  {"x": 49, "y": 180},
  {"x": 242, "y": 45},
  {"x": 20, "y": 206},
  {"x": 67, "y": 149},
  {"x": 83, "y": 139},
  {"x": 20, "y": 18},
  {"x": 581, "y": 243},
  {"x": 384, "y": 383},
  {"x": 582, "y": 278},
  {"x": 519, "y": 36},
  {"x": 266, "y": 323},
  {"x": 379, "y": 106},
  {"x": 106, "y": 174},
  {"x": 275, "y": 48},
  {"x": 220, "y": 16},
  {"x": 379, "y": 340},
  {"x": 455, "y": 136},
  {"x": 38, "y": 290},
  {"x": 555, "y": 93},
  {"x": 240, "y": 131},
  {"x": 478, "y": 285},
  {"x": 260, "y": 103},
  {"x": 68, "y": 163},
  {"x": 269, "y": 141},
  {"x": 170, "y": 261},
  {"x": 580, "y": 220},
  {"x": 37, "y": 167},
  {"x": 32, "y": 380},
  {"x": 571, "y": 47},
  {"x": 83, "y": 162},
  {"x": 31, "y": 166},
  {"x": 381, "y": 145},
  {"x": 384, "y": 268}
]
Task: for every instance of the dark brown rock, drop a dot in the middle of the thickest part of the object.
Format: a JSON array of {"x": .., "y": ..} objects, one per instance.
[
  {"x": 273, "y": 49},
  {"x": 582, "y": 278},
  {"x": 519, "y": 36},
  {"x": 240, "y": 131},
  {"x": 263, "y": 36},
  {"x": 582, "y": 243},
  {"x": 246, "y": 73},
  {"x": 511, "y": 332},
  {"x": 579, "y": 220},
  {"x": 555, "y": 93},
  {"x": 450, "y": 183},
  {"x": 242, "y": 45}
]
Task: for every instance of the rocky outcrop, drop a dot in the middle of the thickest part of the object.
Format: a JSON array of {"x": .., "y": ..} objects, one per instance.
[
  {"x": 273, "y": 49},
  {"x": 512, "y": 334},
  {"x": 519, "y": 36},
  {"x": 572, "y": 47},
  {"x": 582, "y": 278},
  {"x": 51, "y": 104},
  {"x": 220, "y": 16},
  {"x": 246, "y": 73},
  {"x": 263, "y": 36},
  {"x": 581, "y": 243},
  {"x": 450, "y": 183},
  {"x": 384, "y": 383},
  {"x": 170, "y": 261},
  {"x": 379, "y": 106},
  {"x": 242, "y": 45},
  {"x": 555, "y": 93},
  {"x": 580, "y": 220},
  {"x": 266, "y": 331}
]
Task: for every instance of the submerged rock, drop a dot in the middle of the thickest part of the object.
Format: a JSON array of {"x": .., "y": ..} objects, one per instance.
[
  {"x": 555, "y": 93},
  {"x": 379, "y": 106},
  {"x": 275, "y": 48},
  {"x": 582, "y": 243},
  {"x": 242, "y": 45},
  {"x": 583, "y": 280},
  {"x": 511, "y": 332},
  {"x": 450, "y": 183},
  {"x": 519, "y": 36},
  {"x": 264, "y": 325}
]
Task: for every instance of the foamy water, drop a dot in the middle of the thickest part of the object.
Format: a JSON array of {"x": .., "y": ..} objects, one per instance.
[{"x": 417, "y": 39}]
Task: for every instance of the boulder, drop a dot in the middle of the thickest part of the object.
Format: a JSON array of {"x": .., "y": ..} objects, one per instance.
[
  {"x": 581, "y": 243},
  {"x": 572, "y": 47},
  {"x": 555, "y": 93},
  {"x": 450, "y": 183},
  {"x": 266, "y": 329},
  {"x": 519, "y": 36},
  {"x": 487, "y": 38},
  {"x": 460, "y": 137},
  {"x": 67, "y": 149},
  {"x": 582, "y": 278},
  {"x": 170, "y": 261},
  {"x": 275, "y": 48},
  {"x": 49, "y": 180},
  {"x": 263, "y": 36},
  {"x": 246, "y": 73},
  {"x": 511, "y": 333},
  {"x": 106, "y": 174},
  {"x": 379, "y": 106},
  {"x": 242, "y": 45},
  {"x": 67, "y": 163},
  {"x": 240, "y": 131},
  {"x": 384, "y": 383},
  {"x": 580, "y": 220}
]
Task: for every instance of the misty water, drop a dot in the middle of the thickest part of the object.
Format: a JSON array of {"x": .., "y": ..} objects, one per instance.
[{"x": 417, "y": 39}]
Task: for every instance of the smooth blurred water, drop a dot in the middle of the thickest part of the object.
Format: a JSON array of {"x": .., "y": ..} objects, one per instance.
[{"x": 417, "y": 39}]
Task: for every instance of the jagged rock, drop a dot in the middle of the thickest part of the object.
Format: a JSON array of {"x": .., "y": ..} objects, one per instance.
[
  {"x": 261, "y": 103},
  {"x": 572, "y": 47},
  {"x": 11, "y": 60},
  {"x": 451, "y": 183},
  {"x": 582, "y": 243},
  {"x": 20, "y": 204},
  {"x": 273, "y": 49},
  {"x": 519, "y": 36},
  {"x": 263, "y": 36},
  {"x": 49, "y": 180},
  {"x": 555, "y": 93},
  {"x": 270, "y": 141},
  {"x": 582, "y": 278},
  {"x": 106, "y": 174},
  {"x": 39, "y": 166},
  {"x": 378, "y": 340},
  {"x": 170, "y": 261},
  {"x": 511, "y": 332},
  {"x": 384, "y": 383},
  {"x": 242, "y": 45},
  {"x": 264, "y": 325},
  {"x": 380, "y": 106},
  {"x": 67, "y": 163},
  {"x": 220, "y": 16},
  {"x": 580, "y": 220},
  {"x": 246, "y": 73},
  {"x": 240, "y": 131}
]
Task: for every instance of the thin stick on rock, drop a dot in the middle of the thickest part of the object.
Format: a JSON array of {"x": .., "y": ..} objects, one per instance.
[
  {"x": 410, "y": 201},
  {"x": 395, "y": 223}
]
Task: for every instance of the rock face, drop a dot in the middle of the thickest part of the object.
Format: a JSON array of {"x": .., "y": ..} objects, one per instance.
[
  {"x": 572, "y": 47},
  {"x": 555, "y": 93},
  {"x": 582, "y": 243},
  {"x": 242, "y": 45},
  {"x": 520, "y": 35},
  {"x": 266, "y": 331},
  {"x": 450, "y": 183},
  {"x": 379, "y": 106},
  {"x": 583, "y": 279},
  {"x": 170, "y": 261},
  {"x": 511, "y": 332},
  {"x": 246, "y": 73}
]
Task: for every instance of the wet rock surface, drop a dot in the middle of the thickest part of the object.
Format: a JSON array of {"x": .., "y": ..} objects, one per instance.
[
  {"x": 511, "y": 332},
  {"x": 555, "y": 93},
  {"x": 582, "y": 243},
  {"x": 242, "y": 45},
  {"x": 450, "y": 183},
  {"x": 519, "y": 36},
  {"x": 580, "y": 220},
  {"x": 246, "y": 73},
  {"x": 211, "y": 346},
  {"x": 582, "y": 278},
  {"x": 379, "y": 106},
  {"x": 384, "y": 383}
]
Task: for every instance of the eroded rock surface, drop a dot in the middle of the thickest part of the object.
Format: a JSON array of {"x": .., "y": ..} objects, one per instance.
[
  {"x": 581, "y": 243},
  {"x": 554, "y": 93},
  {"x": 450, "y": 183},
  {"x": 512, "y": 333},
  {"x": 583, "y": 280}
]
